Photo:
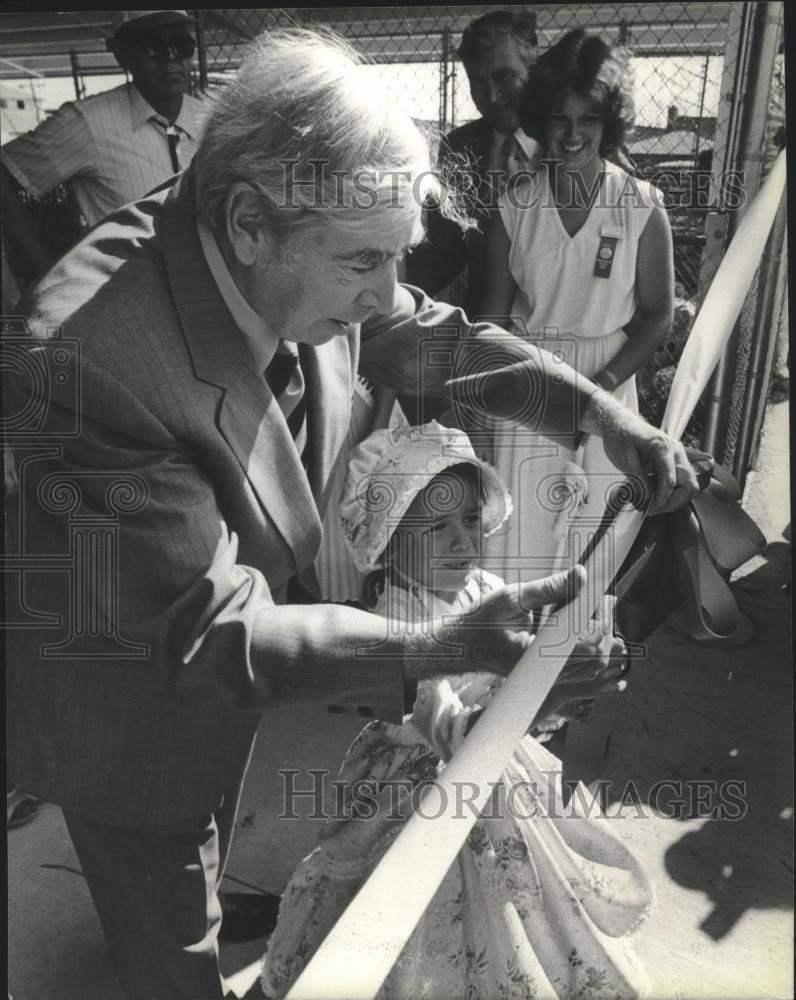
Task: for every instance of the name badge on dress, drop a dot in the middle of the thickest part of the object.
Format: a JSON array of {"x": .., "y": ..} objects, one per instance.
[{"x": 609, "y": 235}]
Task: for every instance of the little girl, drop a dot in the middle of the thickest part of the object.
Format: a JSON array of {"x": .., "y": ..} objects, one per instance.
[{"x": 538, "y": 903}]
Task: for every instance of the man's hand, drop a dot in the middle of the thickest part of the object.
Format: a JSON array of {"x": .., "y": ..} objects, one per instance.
[
  {"x": 657, "y": 464},
  {"x": 508, "y": 378},
  {"x": 496, "y": 635}
]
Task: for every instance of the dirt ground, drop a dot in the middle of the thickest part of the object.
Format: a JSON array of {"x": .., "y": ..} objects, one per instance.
[{"x": 722, "y": 923}]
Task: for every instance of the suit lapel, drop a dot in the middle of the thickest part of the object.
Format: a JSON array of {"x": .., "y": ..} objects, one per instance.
[
  {"x": 479, "y": 146},
  {"x": 329, "y": 385},
  {"x": 249, "y": 417}
]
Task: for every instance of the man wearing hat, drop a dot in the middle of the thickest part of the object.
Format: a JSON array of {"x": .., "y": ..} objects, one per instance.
[{"x": 114, "y": 147}]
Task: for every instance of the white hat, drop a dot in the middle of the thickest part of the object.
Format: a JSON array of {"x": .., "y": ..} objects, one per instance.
[
  {"x": 387, "y": 471},
  {"x": 148, "y": 18}
]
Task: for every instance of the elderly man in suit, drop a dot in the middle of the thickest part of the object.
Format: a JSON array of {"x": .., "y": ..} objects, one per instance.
[
  {"x": 497, "y": 50},
  {"x": 177, "y": 416}
]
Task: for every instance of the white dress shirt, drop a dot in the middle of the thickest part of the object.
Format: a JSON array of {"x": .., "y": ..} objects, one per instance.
[{"x": 529, "y": 147}]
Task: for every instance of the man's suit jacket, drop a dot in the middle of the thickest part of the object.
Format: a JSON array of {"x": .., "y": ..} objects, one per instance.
[
  {"x": 447, "y": 250},
  {"x": 164, "y": 510}
]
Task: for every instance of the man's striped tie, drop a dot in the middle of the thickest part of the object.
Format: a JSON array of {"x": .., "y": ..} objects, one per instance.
[
  {"x": 286, "y": 382},
  {"x": 512, "y": 159}
]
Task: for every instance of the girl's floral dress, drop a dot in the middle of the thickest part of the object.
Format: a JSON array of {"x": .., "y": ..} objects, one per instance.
[{"x": 540, "y": 900}]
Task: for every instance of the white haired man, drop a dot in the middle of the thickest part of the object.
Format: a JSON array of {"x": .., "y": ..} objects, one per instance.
[{"x": 214, "y": 331}]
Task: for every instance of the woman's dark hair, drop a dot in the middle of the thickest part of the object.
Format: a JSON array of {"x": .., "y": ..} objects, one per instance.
[
  {"x": 373, "y": 584},
  {"x": 588, "y": 66}
]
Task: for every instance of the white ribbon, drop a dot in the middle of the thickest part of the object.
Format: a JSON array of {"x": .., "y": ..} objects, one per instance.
[
  {"x": 357, "y": 955},
  {"x": 713, "y": 325}
]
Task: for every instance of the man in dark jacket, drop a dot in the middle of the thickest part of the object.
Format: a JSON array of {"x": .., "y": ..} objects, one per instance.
[{"x": 497, "y": 50}]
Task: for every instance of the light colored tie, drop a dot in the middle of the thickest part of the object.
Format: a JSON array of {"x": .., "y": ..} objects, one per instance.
[{"x": 512, "y": 157}]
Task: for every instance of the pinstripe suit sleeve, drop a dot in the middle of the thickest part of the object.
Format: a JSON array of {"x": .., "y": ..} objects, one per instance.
[
  {"x": 58, "y": 149},
  {"x": 423, "y": 344},
  {"x": 209, "y": 620}
]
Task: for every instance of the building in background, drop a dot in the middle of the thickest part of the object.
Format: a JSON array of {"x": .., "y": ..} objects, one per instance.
[{"x": 19, "y": 112}]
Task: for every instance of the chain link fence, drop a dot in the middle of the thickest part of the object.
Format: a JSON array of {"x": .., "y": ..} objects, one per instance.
[
  {"x": 761, "y": 335},
  {"x": 686, "y": 59},
  {"x": 678, "y": 52}
]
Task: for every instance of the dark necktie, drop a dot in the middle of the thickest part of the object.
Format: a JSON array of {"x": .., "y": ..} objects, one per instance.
[
  {"x": 283, "y": 373},
  {"x": 173, "y": 139},
  {"x": 173, "y": 136}
]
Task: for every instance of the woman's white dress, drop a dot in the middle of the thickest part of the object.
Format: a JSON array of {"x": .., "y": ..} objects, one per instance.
[
  {"x": 580, "y": 318},
  {"x": 539, "y": 902}
]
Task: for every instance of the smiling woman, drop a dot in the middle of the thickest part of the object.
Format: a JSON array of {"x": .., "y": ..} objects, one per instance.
[
  {"x": 573, "y": 134},
  {"x": 579, "y": 262},
  {"x": 585, "y": 66}
]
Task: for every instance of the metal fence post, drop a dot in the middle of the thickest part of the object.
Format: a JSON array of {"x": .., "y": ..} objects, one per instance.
[
  {"x": 443, "y": 81},
  {"x": 733, "y": 83},
  {"x": 201, "y": 51},
  {"x": 729, "y": 385},
  {"x": 80, "y": 87},
  {"x": 763, "y": 346}
]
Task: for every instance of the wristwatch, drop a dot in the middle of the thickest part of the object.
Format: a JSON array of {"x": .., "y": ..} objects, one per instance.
[{"x": 606, "y": 380}]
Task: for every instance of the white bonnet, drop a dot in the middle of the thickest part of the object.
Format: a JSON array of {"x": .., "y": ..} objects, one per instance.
[{"x": 387, "y": 471}]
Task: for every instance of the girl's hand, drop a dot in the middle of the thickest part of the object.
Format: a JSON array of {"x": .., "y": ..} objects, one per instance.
[{"x": 594, "y": 669}]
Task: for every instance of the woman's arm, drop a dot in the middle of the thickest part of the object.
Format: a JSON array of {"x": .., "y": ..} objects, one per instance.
[
  {"x": 499, "y": 286},
  {"x": 652, "y": 320}
]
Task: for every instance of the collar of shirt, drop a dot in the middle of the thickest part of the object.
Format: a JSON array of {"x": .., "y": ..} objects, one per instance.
[
  {"x": 141, "y": 112},
  {"x": 465, "y": 597},
  {"x": 528, "y": 145},
  {"x": 260, "y": 339}
]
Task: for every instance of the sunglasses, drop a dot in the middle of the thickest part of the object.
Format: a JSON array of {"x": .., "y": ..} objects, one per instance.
[{"x": 180, "y": 45}]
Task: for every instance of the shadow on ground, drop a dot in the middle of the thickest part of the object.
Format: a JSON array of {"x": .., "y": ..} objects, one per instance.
[{"x": 705, "y": 734}]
